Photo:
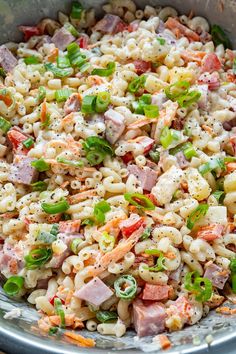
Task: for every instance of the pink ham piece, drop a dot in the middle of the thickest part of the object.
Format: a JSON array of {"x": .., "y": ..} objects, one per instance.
[
  {"x": 115, "y": 125},
  {"x": 158, "y": 99},
  {"x": 175, "y": 274},
  {"x": 72, "y": 104},
  {"x": 146, "y": 142},
  {"x": 210, "y": 63},
  {"x": 21, "y": 170},
  {"x": 148, "y": 319},
  {"x": 210, "y": 232},
  {"x": 182, "y": 308},
  {"x": 7, "y": 59},
  {"x": 145, "y": 175},
  {"x": 212, "y": 80},
  {"x": 109, "y": 24},
  {"x": 181, "y": 159},
  {"x": 62, "y": 38},
  {"x": 95, "y": 292},
  {"x": 217, "y": 275},
  {"x": 156, "y": 292},
  {"x": 203, "y": 100}
]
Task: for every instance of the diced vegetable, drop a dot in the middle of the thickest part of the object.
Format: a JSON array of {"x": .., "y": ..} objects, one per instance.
[
  {"x": 41, "y": 165},
  {"x": 146, "y": 234},
  {"x": 62, "y": 94},
  {"x": 96, "y": 149},
  {"x": 212, "y": 165},
  {"x": 70, "y": 162},
  {"x": 139, "y": 200},
  {"x": 188, "y": 99},
  {"x": 106, "y": 242},
  {"x": 74, "y": 245},
  {"x": 198, "y": 213},
  {"x": 31, "y": 60},
  {"x": 63, "y": 62},
  {"x": 168, "y": 136},
  {"x": 69, "y": 27},
  {"x": 201, "y": 287},
  {"x": 39, "y": 186},
  {"x": 76, "y": 10},
  {"x": 136, "y": 84},
  {"x": 99, "y": 211},
  {"x": 160, "y": 265},
  {"x": 219, "y": 37},
  {"x": 60, "y": 312},
  {"x": 125, "y": 287},
  {"x": 177, "y": 89},
  {"x": 106, "y": 316},
  {"x": 38, "y": 257},
  {"x": 55, "y": 208},
  {"x": 13, "y": 285},
  {"x": 58, "y": 72},
  {"x": 110, "y": 69},
  {"x": 28, "y": 143},
  {"x": 4, "y": 125}
]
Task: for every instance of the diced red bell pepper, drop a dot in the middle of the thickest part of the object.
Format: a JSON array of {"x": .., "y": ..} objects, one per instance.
[
  {"x": 127, "y": 157},
  {"x": 152, "y": 198},
  {"x": 130, "y": 225},
  {"x": 133, "y": 27},
  {"x": 16, "y": 138},
  {"x": 30, "y": 31},
  {"x": 83, "y": 42},
  {"x": 55, "y": 297},
  {"x": 120, "y": 27}
]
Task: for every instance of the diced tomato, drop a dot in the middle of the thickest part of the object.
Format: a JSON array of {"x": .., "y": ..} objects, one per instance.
[
  {"x": 30, "y": 31},
  {"x": 156, "y": 292},
  {"x": 130, "y": 225},
  {"x": 132, "y": 27},
  {"x": 127, "y": 157},
  {"x": 142, "y": 66},
  {"x": 71, "y": 226},
  {"x": 230, "y": 166},
  {"x": 16, "y": 138},
  {"x": 83, "y": 42},
  {"x": 210, "y": 63},
  {"x": 210, "y": 232},
  {"x": 55, "y": 297}
]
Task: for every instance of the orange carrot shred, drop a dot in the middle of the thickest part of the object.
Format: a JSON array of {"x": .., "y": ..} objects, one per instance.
[{"x": 82, "y": 341}]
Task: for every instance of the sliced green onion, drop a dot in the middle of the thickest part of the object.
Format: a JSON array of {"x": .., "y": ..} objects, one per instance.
[
  {"x": 110, "y": 69},
  {"x": 58, "y": 72},
  {"x": 162, "y": 41},
  {"x": 70, "y": 28},
  {"x": 55, "y": 229},
  {"x": 76, "y": 10},
  {"x": 28, "y": 143},
  {"x": 220, "y": 183},
  {"x": 146, "y": 98},
  {"x": 46, "y": 237},
  {"x": 196, "y": 214},
  {"x": 83, "y": 68},
  {"x": 38, "y": 257},
  {"x": 188, "y": 99},
  {"x": 187, "y": 148},
  {"x": 52, "y": 331},
  {"x": 99, "y": 211},
  {"x": 13, "y": 285},
  {"x": 106, "y": 316},
  {"x": 63, "y": 62},
  {"x": 146, "y": 234},
  {"x": 62, "y": 94},
  {"x": 59, "y": 311},
  {"x": 219, "y": 37},
  {"x": 106, "y": 242},
  {"x": 154, "y": 154},
  {"x": 189, "y": 152},
  {"x": 75, "y": 56},
  {"x": 232, "y": 265},
  {"x": 41, "y": 93},
  {"x": 97, "y": 143},
  {"x": 31, "y": 60},
  {"x": 151, "y": 111},
  {"x": 139, "y": 200},
  {"x": 95, "y": 157},
  {"x": 41, "y": 165},
  {"x": 74, "y": 245},
  {"x": 168, "y": 136},
  {"x": 2, "y": 73},
  {"x": 234, "y": 66},
  {"x": 125, "y": 287},
  {"x": 211, "y": 166},
  {"x": 219, "y": 196},
  {"x": 136, "y": 84},
  {"x": 102, "y": 101},
  {"x": 39, "y": 186},
  {"x": 88, "y": 222},
  {"x": 55, "y": 208},
  {"x": 88, "y": 104},
  {"x": 4, "y": 125},
  {"x": 233, "y": 281},
  {"x": 201, "y": 287},
  {"x": 65, "y": 217},
  {"x": 229, "y": 159},
  {"x": 160, "y": 266},
  {"x": 177, "y": 89},
  {"x": 70, "y": 162}
]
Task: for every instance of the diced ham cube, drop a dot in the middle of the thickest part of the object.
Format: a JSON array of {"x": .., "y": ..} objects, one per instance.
[
  {"x": 7, "y": 59},
  {"x": 148, "y": 319},
  {"x": 21, "y": 170},
  {"x": 156, "y": 292},
  {"x": 217, "y": 275},
  {"x": 145, "y": 175},
  {"x": 62, "y": 38},
  {"x": 181, "y": 159},
  {"x": 203, "y": 100},
  {"x": 210, "y": 63},
  {"x": 72, "y": 104},
  {"x": 95, "y": 292},
  {"x": 212, "y": 80},
  {"x": 115, "y": 125},
  {"x": 158, "y": 99},
  {"x": 142, "y": 66},
  {"x": 146, "y": 142},
  {"x": 180, "y": 30},
  {"x": 110, "y": 24},
  {"x": 131, "y": 224},
  {"x": 182, "y": 308},
  {"x": 210, "y": 232}
]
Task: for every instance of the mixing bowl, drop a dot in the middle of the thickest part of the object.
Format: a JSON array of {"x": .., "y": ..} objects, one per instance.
[{"x": 214, "y": 334}]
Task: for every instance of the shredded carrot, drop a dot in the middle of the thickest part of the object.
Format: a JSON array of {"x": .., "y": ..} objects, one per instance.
[
  {"x": 9, "y": 215},
  {"x": 56, "y": 320},
  {"x": 6, "y": 99},
  {"x": 208, "y": 129},
  {"x": 65, "y": 184},
  {"x": 225, "y": 310},
  {"x": 79, "y": 197},
  {"x": 67, "y": 119},
  {"x": 170, "y": 255},
  {"x": 95, "y": 80},
  {"x": 140, "y": 123},
  {"x": 53, "y": 55},
  {"x": 190, "y": 56},
  {"x": 165, "y": 343},
  {"x": 81, "y": 341},
  {"x": 112, "y": 225},
  {"x": 43, "y": 114},
  {"x": 13, "y": 266},
  {"x": 155, "y": 215}
]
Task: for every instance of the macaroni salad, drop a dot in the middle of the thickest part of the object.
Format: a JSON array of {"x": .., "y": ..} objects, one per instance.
[{"x": 118, "y": 169}]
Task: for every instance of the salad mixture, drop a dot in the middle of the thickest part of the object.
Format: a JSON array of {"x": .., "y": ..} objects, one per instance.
[{"x": 118, "y": 170}]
